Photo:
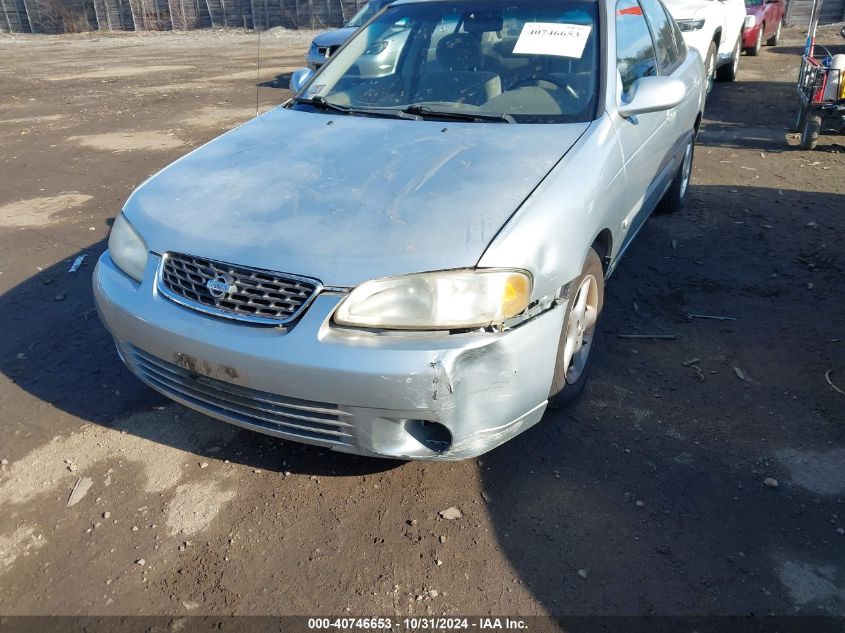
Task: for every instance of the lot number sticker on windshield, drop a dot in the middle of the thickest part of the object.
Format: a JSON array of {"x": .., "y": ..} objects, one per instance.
[{"x": 551, "y": 38}]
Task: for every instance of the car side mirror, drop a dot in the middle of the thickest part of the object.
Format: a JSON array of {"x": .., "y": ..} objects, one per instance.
[
  {"x": 652, "y": 94},
  {"x": 299, "y": 78}
]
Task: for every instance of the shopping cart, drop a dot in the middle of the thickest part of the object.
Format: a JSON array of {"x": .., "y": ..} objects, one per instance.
[{"x": 821, "y": 88}]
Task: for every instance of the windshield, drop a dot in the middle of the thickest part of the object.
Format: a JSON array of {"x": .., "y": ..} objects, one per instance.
[
  {"x": 526, "y": 61},
  {"x": 364, "y": 14},
  {"x": 753, "y": 3}
]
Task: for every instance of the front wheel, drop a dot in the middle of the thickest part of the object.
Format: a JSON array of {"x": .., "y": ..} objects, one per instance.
[
  {"x": 775, "y": 38},
  {"x": 674, "y": 198},
  {"x": 729, "y": 71},
  {"x": 810, "y": 132},
  {"x": 576, "y": 347},
  {"x": 801, "y": 118},
  {"x": 710, "y": 68}
]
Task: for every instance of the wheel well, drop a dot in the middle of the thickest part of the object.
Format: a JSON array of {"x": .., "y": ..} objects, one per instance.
[
  {"x": 717, "y": 37},
  {"x": 603, "y": 246}
]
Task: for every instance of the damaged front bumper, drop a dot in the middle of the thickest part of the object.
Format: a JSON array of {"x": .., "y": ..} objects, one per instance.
[{"x": 408, "y": 396}]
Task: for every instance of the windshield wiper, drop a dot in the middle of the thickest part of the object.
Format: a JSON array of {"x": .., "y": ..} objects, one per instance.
[
  {"x": 426, "y": 111},
  {"x": 322, "y": 104}
]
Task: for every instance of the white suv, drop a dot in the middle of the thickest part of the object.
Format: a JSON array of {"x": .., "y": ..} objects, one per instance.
[{"x": 714, "y": 29}]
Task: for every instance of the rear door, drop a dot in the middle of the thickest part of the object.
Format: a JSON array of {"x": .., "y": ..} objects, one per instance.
[
  {"x": 645, "y": 46},
  {"x": 772, "y": 15},
  {"x": 671, "y": 57}
]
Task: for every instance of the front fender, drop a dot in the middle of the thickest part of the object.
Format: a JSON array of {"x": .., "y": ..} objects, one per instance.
[{"x": 557, "y": 224}]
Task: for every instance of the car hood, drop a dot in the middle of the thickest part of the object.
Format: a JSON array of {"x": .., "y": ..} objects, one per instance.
[
  {"x": 686, "y": 9},
  {"x": 345, "y": 199},
  {"x": 335, "y": 37}
]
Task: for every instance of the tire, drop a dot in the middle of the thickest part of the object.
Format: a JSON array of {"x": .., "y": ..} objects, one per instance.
[
  {"x": 775, "y": 38},
  {"x": 800, "y": 119},
  {"x": 753, "y": 51},
  {"x": 675, "y": 197},
  {"x": 570, "y": 376},
  {"x": 729, "y": 72},
  {"x": 710, "y": 68},
  {"x": 810, "y": 132}
]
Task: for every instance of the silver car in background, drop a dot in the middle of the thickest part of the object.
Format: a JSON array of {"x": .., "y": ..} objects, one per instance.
[
  {"x": 327, "y": 43},
  {"x": 411, "y": 265}
]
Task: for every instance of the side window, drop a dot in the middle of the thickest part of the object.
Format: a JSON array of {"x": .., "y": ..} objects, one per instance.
[
  {"x": 663, "y": 30},
  {"x": 679, "y": 39},
  {"x": 635, "y": 55}
]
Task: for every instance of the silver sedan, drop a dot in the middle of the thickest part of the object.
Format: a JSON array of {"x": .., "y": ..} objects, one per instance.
[{"x": 411, "y": 265}]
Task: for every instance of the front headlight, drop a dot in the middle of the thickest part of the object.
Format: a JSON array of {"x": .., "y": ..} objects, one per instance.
[
  {"x": 128, "y": 251},
  {"x": 690, "y": 25},
  {"x": 447, "y": 300},
  {"x": 376, "y": 47},
  {"x": 750, "y": 21}
]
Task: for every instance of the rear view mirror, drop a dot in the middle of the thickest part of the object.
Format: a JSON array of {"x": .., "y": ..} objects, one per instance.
[
  {"x": 483, "y": 21},
  {"x": 299, "y": 78},
  {"x": 652, "y": 94}
]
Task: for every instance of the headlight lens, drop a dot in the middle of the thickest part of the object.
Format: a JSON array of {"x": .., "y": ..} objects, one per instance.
[
  {"x": 690, "y": 25},
  {"x": 376, "y": 47},
  {"x": 128, "y": 251},
  {"x": 750, "y": 21},
  {"x": 447, "y": 300}
]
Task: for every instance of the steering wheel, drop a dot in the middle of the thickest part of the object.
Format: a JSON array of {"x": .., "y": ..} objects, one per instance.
[{"x": 519, "y": 83}]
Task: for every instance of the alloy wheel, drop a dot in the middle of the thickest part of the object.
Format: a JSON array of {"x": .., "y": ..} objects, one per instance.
[
  {"x": 711, "y": 72},
  {"x": 686, "y": 169},
  {"x": 580, "y": 328},
  {"x": 735, "y": 61}
]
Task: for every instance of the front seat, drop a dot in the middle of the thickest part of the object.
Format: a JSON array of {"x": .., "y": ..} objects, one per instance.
[{"x": 456, "y": 79}]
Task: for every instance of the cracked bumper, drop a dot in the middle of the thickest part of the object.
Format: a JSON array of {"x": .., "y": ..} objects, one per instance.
[{"x": 354, "y": 392}]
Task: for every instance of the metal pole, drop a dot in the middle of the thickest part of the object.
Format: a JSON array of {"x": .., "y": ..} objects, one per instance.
[
  {"x": 28, "y": 17},
  {"x": 811, "y": 31},
  {"x": 6, "y": 15}
]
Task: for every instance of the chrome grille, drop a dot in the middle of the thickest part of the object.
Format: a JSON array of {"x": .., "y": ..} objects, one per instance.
[
  {"x": 255, "y": 295},
  {"x": 278, "y": 415}
]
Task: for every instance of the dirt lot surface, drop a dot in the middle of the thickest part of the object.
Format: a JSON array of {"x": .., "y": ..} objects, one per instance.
[{"x": 648, "y": 497}]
